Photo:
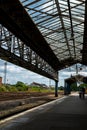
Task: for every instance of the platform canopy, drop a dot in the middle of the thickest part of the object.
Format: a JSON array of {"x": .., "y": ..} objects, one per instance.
[
  {"x": 54, "y": 29},
  {"x": 61, "y": 22},
  {"x": 76, "y": 78}
]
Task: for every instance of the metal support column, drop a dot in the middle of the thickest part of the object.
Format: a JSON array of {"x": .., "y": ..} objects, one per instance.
[
  {"x": 56, "y": 88},
  {"x": 84, "y": 51}
]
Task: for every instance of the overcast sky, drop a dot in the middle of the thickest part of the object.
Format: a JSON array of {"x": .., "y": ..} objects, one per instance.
[{"x": 15, "y": 73}]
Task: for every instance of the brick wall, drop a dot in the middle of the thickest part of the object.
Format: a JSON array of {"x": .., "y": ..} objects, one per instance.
[{"x": 0, "y": 81}]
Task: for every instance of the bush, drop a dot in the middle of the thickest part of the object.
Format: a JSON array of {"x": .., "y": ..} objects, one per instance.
[
  {"x": 3, "y": 89},
  {"x": 35, "y": 89},
  {"x": 12, "y": 89}
]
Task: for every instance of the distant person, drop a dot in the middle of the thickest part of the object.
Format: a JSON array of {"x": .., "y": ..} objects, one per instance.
[{"x": 82, "y": 92}]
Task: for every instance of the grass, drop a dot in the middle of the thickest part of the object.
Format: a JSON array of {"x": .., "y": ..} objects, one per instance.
[{"x": 23, "y": 88}]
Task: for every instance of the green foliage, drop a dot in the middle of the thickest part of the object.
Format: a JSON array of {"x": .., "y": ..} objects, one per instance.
[
  {"x": 83, "y": 85},
  {"x": 11, "y": 89},
  {"x": 61, "y": 88},
  {"x": 3, "y": 89},
  {"x": 35, "y": 89},
  {"x": 21, "y": 86},
  {"x": 74, "y": 87},
  {"x": 40, "y": 89},
  {"x": 19, "y": 83}
]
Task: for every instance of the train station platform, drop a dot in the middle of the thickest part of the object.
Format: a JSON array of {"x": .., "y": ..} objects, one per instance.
[{"x": 67, "y": 113}]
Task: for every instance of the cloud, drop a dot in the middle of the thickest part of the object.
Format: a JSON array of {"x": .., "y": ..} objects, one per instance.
[
  {"x": 13, "y": 69},
  {"x": 16, "y": 73}
]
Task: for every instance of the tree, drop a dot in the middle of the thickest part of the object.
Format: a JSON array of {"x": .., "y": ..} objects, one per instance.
[
  {"x": 21, "y": 86},
  {"x": 61, "y": 88},
  {"x": 83, "y": 85}
]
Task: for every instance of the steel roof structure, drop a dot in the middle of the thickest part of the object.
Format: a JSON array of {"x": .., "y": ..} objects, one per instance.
[
  {"x": 54, "y": 29},
  {"x": 61, "y": 22}
]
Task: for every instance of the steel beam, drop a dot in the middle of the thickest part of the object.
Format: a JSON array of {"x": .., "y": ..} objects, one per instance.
[
  {"x": 72, "y": 32},
  {"x": 15, "y": 51},
  {"x": 84, "y": 51},
  {"x": 14, "y": 17},
  {"x": 62, "y": 24},
  {"x": 10, "y": 57}
]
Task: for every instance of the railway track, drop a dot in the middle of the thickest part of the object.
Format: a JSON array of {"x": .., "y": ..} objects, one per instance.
[
  {"x": 4, "y": 96},
  {"x": 12, "y": 103}
]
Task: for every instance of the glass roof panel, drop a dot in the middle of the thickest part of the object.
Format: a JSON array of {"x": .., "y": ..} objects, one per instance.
[{"x": 61, "y": 22}]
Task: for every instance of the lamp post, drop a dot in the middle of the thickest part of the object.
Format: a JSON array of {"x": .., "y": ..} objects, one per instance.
[
  {"x": 49, "y": 83},
  {"x": 5, "y": 72},
  {"x": 76, "y": 69}
]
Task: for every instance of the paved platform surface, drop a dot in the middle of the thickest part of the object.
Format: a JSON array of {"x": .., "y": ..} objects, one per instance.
[{"x": 68, "y": 113}]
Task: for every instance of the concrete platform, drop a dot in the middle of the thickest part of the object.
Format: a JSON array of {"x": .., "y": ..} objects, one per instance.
[{"x": 68, "y": 113}]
